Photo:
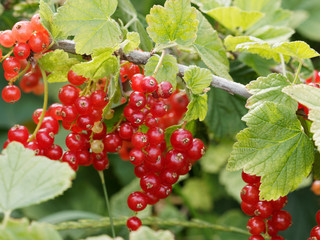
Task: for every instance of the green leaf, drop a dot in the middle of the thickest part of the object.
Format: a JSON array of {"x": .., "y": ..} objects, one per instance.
[
  {"x": 175, "y": 22},
  {"x": 253, "y": 45},
  {"x": 127, "y": 12},
  {"x": 234, "y": 18},
  {"x": 274, "y": 147},
  {"x": 21, "y": 229},
  {"x": 90, "y": 24},
  {"x": 260, "y": 65},
  {"x": 269, "y": 88},
  {"x": 216, "y": 157},
  {"x": 1, "y": 8},
  {"x": 197, "y": 108},
  {"x": 210, "y": 48},
  {"x": 47, "y": 10},
  {"x": 26, "y": 179},
  {"x": 167, "y": 71},
  {"x": 103, "y": 64},
  {"x": 198, "y": 197},
  {"x": 254, "y": 5},
  {"x": 233, "y": 183},
  {"x": 297, "y": 49},
  {"x": 146, "y": 233},
  {"x": 131, "y": 43},
  {"x": 224, "y": 114},
  {"x": 310, "y": 97},
  {"x": 58, "y": 64},
  {"x": 273, "y": 34},
  {"x": 206, "y": 5},
  {"x": 197, "y": 79}
]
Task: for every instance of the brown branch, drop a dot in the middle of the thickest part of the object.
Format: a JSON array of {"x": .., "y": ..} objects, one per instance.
[{"x": 141, "y": 58}]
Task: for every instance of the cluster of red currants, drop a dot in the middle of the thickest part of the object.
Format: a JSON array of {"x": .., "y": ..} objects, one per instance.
[
  {"x": 315, "y": 232},
  {"x": 268, "y": 217},
  {"x": 27, "y": 38}
]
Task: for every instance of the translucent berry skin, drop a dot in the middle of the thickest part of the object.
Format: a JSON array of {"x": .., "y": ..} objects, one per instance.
[
  {"x": 168, "y": 177},
  {"x": 149, "y": 182},
  {"x": 136, "y": 82},
  {"x": 318, "y": 217},
  {"x": 7, "y": 39},
  {"x": 159, "y": 109},
  {"x": 140, "y": 171},
  {"x": 84, "y": 158},
  {"x": 175, "y": 160},
  {"x": 37, "y": 114},
  {"x": 263, "y": 209},
  {"x": 83, "y": 105},
  {"x": 281, "y": 220},
  {"x": 155, "y": 135},
  {"x": 137, "y": 201},
  {"x": 151, "y": 198},
  {"x": 251, "y": 179},
  {"x": 137, "y": 100},
  {"x": 149, "y": 84},
  {"x": 21, "y": 50},
  {"x": 75, "y": 141},
  {"x": 278, "y": 238},
  {"x": 197, "y": 150},
  {"x": 85, "y": 122},
  {"x": 256, "y": 237},
  {"x": 250, "y": 194},
  {"x": 153, "y": 153},
  {"x": 75, "y": 79},
  {"x": 112, "y": 143},
  {"x": 22, "y": 31},
  {"x": 50, "y": 124},
  {"x": 139, "y": 140},
  {"x": 39, "y": 42},
  {"x": 101, "y": 164},
  {"x": 125, "y": 131},
  {"x": 156, "y": 166},
  {"x": 248, "y": 208},
  {"x": 18, "y": 133},
  {"x": 36, "y": 24},
  {"x": 315, "y": 232},
  {"x": 136, "y": 156},
  {"x": 181, "y": 139},
  {"x": 68, "y": 94},
  {"x": 69, "y": 113},
  {"x": 55, "y": 111},
  {"x": 256, "y": 225},
  {"x": 11, "y": 65},
  {"x": 134, "y": 223},
  {"x": 163, "y": 191},
  {"x": 71, "y": 158},
  {"x": 11, "y": 94},
  {"x": 272, "y": 231},
  {"x": 99, "y": 99},
  {"x": 54, "y": 152},
  {"x": 29, "y": 80},
  {"x": 45, "y": 138},
  {"x": 279, "y": 203},
  {"x": 164, "y": 89}
]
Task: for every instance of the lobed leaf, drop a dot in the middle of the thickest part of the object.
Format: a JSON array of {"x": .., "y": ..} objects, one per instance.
[
  {"x": 197, "y": 79},
  {"x": 58, "y": 64},
  {"x": 206, "y": 5},
  {"x": 167, "y": 72},
  {"x": 211, "y": 49},
  {"x": 297, "y": 49},
  {"x": 274, "y": 147},
  {"x": 175, "y": 22},
  {"x": 197, "y": 108},
  {"x": 26, "y": 179},
  {"x": 234, "y": 18},
  {"x": 131, "y": 43},
  {"x": 90, "y": 24},
  {"x": 102, "y": 65}
]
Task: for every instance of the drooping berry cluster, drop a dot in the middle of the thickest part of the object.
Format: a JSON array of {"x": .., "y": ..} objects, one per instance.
[
  {"x": 315, "y": 232},
  {"x": 27, "y": 38},
  {"x": 268, "y": 218}
]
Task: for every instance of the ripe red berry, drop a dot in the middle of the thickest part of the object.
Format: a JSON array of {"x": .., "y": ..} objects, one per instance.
[
  {"x": 75, "y": 141},
  {"x": 22, "y": 31},
  {"x": 149, "y": 182},
  {"x": 36, "y": 24},
  {"x": 50, "y": 124},
  {"x": 175, "y": 160},
  {"x": 318, "y": 217},
  {"x": 75, "y": 79},
  {"x": 11, "y": 65},
  {"x": 164, "y": 89},
  {"x": 256, "y": 225},
  {"x": 39, "y": 41},
  {"x": 99, "y": 99},
  {"x": 101, "y": 164},
  {"x": 71, "y": 158},
  {"x": 263, "y": 209},
  {"x": 279, "y": 203},
  {"x": 155, "y": 135},
  {"x": 45, "y": 138},
  {"x": 18, "y": 133},
  {"x": 197, "y": 150},
  {"x": 55, "y": 111},
  {"x": 279, "y": 238},
  {"x": 84, "y": 158},
  {"x": 29, "y": 81},
  {"x": 151, "y": 198},
  {"x": 315, "y": 232},
  {"x": 83, "y": 105},
  {"x": 153, "y": 153},
  {"x": 69, "y": 113},
  {"x": 21, "y": 50},
  {"x": 11, "y": 94},
  {"x": 250, "y": 194},
  {"x": 137, "y": 201},
  {"x": 168, "y": 177},
  {"x": 149, "y": 84},
  {"x": 256, "y": 237},
  {"x": 54, "y": 152},
  {"x": 163, "y": 191},
  {"x": 134, "y": 223},
  {"x": 112, "y": 143},
  {"x": 139, "y": 140},
  {"x": 68, "y": 94},
  {"x": 281, "y": 220},
  {"x": 85, "y": 122},
  {"x": 159, "y": 109},
  {"x": 140, "y": 171},
  {"x": 251, "y": 179},
  {"x": 125, "y": 131},
  {"x": 136, "y": 82},
  {"x": 181, "y": 139},
  {"x": 136, "y": 156},
  {"x": 248, "y": 208},
  {"x": 7, "y": 39}
]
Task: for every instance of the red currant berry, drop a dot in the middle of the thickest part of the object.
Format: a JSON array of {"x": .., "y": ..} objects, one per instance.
[
  {"x": 163, "y": 191},
  {"x": 256, "y": 225},
  {"x": 281, "y": 220},
  {"x": 45, "y": 138},
  {"x": 137, "y": 201},
  {"x": 139, "y": 140},
  {"x": 149, "y": 84},
  {"x": 197, "y": 150},
  {"x": 134, "y": 223},
  {"x": 112, "y": 143},
  {"x": 248, "y": 208},
  {"x": 140, "y": 171},
  {"x": 101, "y": 164},
  {"x": 256, "y": 237},
  {"x": 75, "y": 79},
  {"x": 22, "y": 31},
  {"x": 159, "y": 109},
  {"x": 68, "y": 94},
  {"x": 164, "y": 89},
  {"x": 263, "y": 209},
  {"x": 39, "y": 42},
  {"x": 18, "y": 133},
  {"x": 71, "y": 158},
  {"x": 69, "y": 113},
  {"x": 151, "y": 198},
  {"x": 55, "y": 110},
  {"x": 279, "y": 203},
  {"x": 21, "y": 50},
  {"x": 75, "y": 141},
  {"x": 150, "y": 121},
  {"x": 85, "y": 122},
  {"x": 153, "y": 153},
  {"x": 155, "y": 135},
  {"x": 137, "y": 100},
  {"x": 250, "y": 194},
  {"x": 136, "y": 156},
  {"x": 84, "y": 158},
  {"x": 11, "y": 65},
  {"x": 83, "y": 105},
  {"x": 36, "y": 24},
  {"x": 125, "y": 131},
  {"x": 7, "y": 39},
  {"x": 54, "y": 152},
  {"x": 99, "y": 99},
  {"x": 251, "y": 179},
  {"x": 149, "y": 182},
  {"x": 181, "y": 139},
  {"x": 168, "y": 177},
  {"x": 11, "y": 94},
  {"x": 175, "y": 160},
  {"x": 136, "y": 82}
]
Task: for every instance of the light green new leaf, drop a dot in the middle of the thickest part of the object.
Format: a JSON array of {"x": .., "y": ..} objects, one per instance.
[
  {"x": 253, "y": 45},
  {"x": 58, "y": 64},
  {"x": 21, "y": 229},
  {"x": 1, "y": 9},
  {"x": 103, "y": 64},
  {"x": 206, "y": 5},
  {"x": 175, "y": 22},
  {"x": 131, "y": 43},
  {"x": 197, "y": 108},
  {"x": 273, "y": 34},
  {"x": 274, "y": 147},
  {"x": 297, "y": 49},
  {"x": 210, "y": 48},
  {"x": 167, "y": 71},
  {"x": 146, "y": 233},
  {"x": 310, "y": 97},
  {"x": 90, "y": 24},
  {"x": 258, "y": 5},
  {"x": 234, "y": 18},
  {"x": 270, "y": 89},
  {"x": 197, "y": 79},
  {"x": 47, "y": 10},
  {"x": 26, "y": 179}
]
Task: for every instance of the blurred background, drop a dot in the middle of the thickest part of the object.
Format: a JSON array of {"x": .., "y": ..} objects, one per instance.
[{"x": 209, "y": 192}]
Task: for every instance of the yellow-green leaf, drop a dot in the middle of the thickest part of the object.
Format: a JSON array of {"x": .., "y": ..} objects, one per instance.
[
  {"x": 197, "y": 79},
  {"x": 131, "y": 43},
  {"x": 197, "y": 108}
]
